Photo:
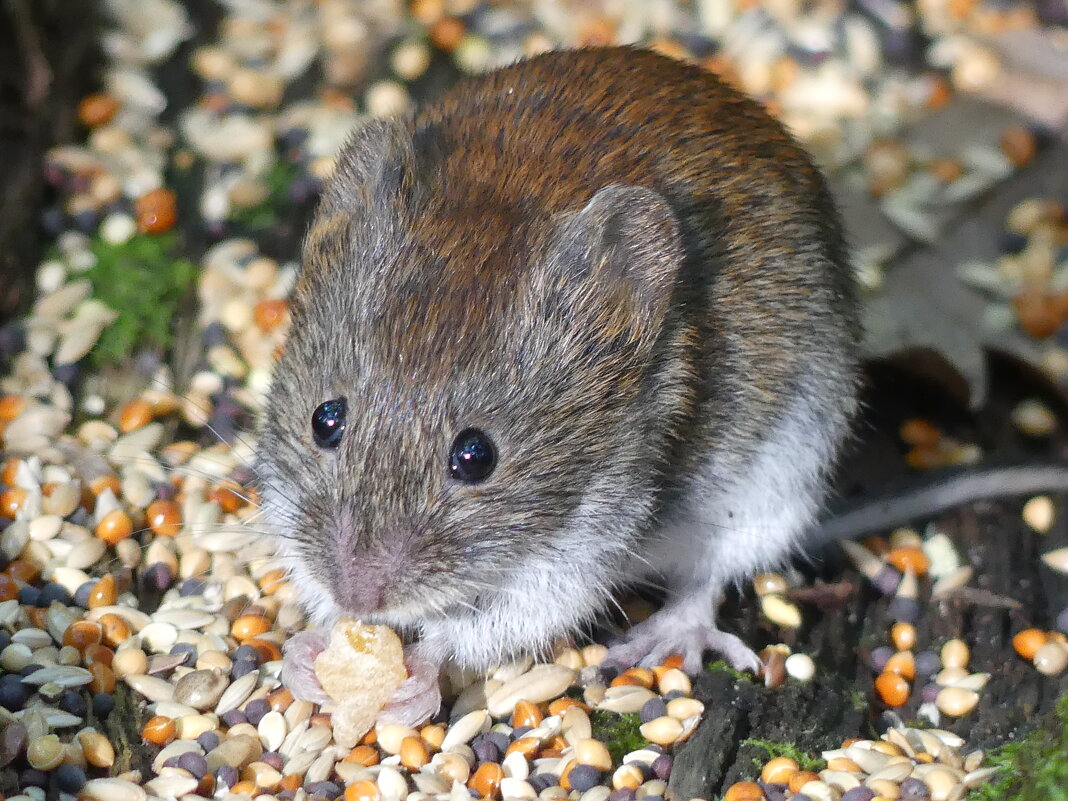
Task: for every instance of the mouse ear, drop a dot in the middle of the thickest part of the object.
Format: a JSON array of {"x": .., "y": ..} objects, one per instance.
[
  {"x": 623, "y": 248},
  {"x": 376, "y": 165}
]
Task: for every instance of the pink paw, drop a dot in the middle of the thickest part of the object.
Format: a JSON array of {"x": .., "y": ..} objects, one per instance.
[
  {"x": 417, "y": 699},
  {"x": 652, "y": 641},
  {"x": 298, "y": 665}
]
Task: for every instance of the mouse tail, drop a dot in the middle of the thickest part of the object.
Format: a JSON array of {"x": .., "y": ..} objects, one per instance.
[{"x": 928, "y": 494}]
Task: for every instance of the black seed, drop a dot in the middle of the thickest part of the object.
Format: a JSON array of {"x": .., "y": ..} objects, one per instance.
[
  {"x": 661, "y": 767},
  {"x": 192, "y": 586},
  {"x": 652, "y": 709},
  {"x": 226, "y": 775},
  {"x": 859, "y": 794},
  {"x": 193, "y": 762},
  {"x": 209, "y": 741},
  {"x": 157, "y": 577},
  {"x": 242, "y": 667},
  {"x": 13, "y": 693},
  {"x": 913, "y": 789},
  {"x": 188, "y": 650},
  {"x": 543, "y": 781},
  {"x": 33, "y": 778},
  {"x": 70, "y": 778},
  {"x": 583, "y": 777},
  {"x": 103, "y": 703},
  {"x": 233, "y": 717},
  {"x": 81, "y": 595},
  {"x": 54, "y": 592},
  {"x": 74, "y": 702},
  {"x": 255, "y": 710},
  {"x": 29, "y": 595}
]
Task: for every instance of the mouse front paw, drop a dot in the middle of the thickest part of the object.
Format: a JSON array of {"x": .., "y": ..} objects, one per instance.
[
  {"x": 298, "y": 665},
  {"x": 419, "y": 697},
  {"x": 667, "y": 633}
]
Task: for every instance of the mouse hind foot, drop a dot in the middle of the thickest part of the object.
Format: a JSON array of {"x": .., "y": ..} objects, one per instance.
[{"x": 687, "y": 628}]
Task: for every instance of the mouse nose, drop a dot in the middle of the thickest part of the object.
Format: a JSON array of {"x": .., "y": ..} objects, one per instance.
[{"x": 359, "y": 585}]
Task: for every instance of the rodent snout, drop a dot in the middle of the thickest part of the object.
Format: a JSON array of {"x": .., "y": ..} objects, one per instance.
[{"x": 361, "y": 580}]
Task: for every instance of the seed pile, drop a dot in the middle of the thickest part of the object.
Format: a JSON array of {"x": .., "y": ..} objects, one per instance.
[
  {"x": 1027, "y": 284},
  {"x": 132, "y": 568},
  {"x": 906, "y": 763}
]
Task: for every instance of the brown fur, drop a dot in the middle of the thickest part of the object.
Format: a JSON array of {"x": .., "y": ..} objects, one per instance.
[{"x": 474, "y": 266}]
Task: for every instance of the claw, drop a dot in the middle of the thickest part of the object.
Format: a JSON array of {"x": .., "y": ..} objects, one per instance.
[{"x": 667, "y": 632}]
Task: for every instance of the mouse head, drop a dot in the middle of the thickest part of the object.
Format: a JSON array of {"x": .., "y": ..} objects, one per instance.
[{"x": 470, "y": 389}]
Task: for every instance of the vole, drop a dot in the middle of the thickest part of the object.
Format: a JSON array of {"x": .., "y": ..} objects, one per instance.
[{"x": 586, "y": 321}]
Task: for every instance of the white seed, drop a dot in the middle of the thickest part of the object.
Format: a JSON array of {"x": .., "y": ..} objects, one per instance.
[
  {"x": 1039, "y": 513},
  {"x": 184, "y": 618},
  {"x": 780, "y": 611},
  {"x": 895, "y": 772},
  {"x": 800, "y": 667},
  {"x": 540, "y": 683},
  {"x": 236, "y": 693},
  {"x": 32, "y": 637},
  {"x": 152, "y": 688},
  {"x": 45, "y": 527},
  {"x": 575, "y": 724},
  {"x": 1051, "y": 659},
  {"x": 593, "y": 752},
  {"x": 956, "y": 701},
  {"x": 1058, "y": 559},
  {"x": 86, "y": 553},
  {"x": 662, "y": 731},
  {"x": 391, "y": 783},
  {"x": 625, "y": 699},
  {"x": 683, "y": 708},
  {"x": 172, "y": 786},
  {"x": 674, "y": 680},
  {"x": 159, "y": 637},
  {"x": 465, "y": 729},
  {"x": 515, "y": 765},
  {"x": 112, "y": 790},
  {"x": 514, "y": 787},
  {"x": 272, "y": 730},
  {"x": 61, "y": 675},
  {"x": 819, "y": 791},
  {"x": 391, "y": 735}
]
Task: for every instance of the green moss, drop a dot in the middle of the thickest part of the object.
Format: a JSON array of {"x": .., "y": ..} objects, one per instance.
[
  {"x": 737, "y": 675},
  {"x": 618, "y": 732},
  {"x": 268, "y": 213},
  {"x": 773, "y": 749},
  {"x": 144, "y": 282},
  {"x": 1034, "y": 768}
]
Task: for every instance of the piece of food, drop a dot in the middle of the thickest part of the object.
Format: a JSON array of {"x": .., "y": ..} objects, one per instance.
[{"x": 360, "y": 670}]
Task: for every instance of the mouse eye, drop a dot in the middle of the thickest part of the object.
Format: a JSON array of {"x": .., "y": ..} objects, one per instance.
[
  {"x": 328, "y": 423},
  {"x": 472, "y": 457}
]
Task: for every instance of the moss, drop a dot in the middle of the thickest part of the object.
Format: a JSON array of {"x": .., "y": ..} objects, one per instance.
[
  {"x": 268, "y": 213},
  {"x": 773, "y": 749},
  {"x": 144, "y": 282},
  {"x": 859, "y": 700},
  {"x": 722, "y": 666},
  {"x": 1034, "y": 768},
  {"x": 618, "y": 732}
]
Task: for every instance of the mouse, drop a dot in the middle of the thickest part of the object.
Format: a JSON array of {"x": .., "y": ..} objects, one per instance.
[{"x": 585, "y": 321}]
